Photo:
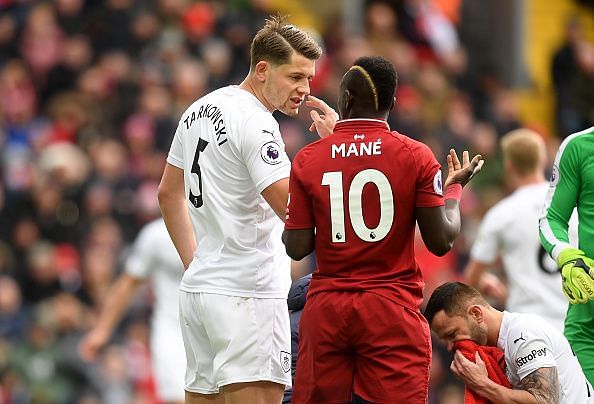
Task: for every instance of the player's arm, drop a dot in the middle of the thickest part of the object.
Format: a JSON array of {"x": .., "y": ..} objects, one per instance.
[
  {"x": 577, "y": 270},
  {"x": 299, "y": 234},
  {"x": 174, "y": 208},
  {"x": 276, "y": 195},
  {"x": 117, "y": 301},
  {"x": 475, "y": 274},
  {"x": 561, "y": 200},
  {"x": 543, "y": 384},
  {"x": 299, "y": 243},
  {"x": 440, "y": 225}
]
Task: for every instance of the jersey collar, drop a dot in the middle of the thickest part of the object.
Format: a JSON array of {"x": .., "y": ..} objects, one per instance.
[
  {"x": 368, "y": 123},
  {"x": 503, "y": 331}
]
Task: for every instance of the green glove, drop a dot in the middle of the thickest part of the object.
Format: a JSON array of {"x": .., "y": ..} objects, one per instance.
[{"x": 576, "y": 273}]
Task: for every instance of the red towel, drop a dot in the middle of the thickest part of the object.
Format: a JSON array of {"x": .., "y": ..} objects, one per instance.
[{"x": 494, "y": 361}]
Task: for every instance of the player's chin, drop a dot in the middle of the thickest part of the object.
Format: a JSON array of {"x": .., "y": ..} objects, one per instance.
[{"x": 289, "y": 111}]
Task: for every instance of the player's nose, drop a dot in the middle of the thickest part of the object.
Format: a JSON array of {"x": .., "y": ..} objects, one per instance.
[
  {"x": 450, "y": 345},
  {"x": 304, "y": 89}
]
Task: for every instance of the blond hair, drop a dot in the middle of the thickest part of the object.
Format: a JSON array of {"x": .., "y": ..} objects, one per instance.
[
  {"x": 276, "y": 41},
  {"x": 524, "y": 149}
]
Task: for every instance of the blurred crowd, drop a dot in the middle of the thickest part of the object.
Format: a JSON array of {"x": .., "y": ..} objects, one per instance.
[{"x": 90, "y": 95}]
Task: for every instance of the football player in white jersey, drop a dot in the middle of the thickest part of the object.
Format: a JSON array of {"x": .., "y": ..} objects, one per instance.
[
  {"x": 223, "y": 194},
  {"x": 153, "y": 257},
  {"x": 510, "y": 230},
  {"x": 540, "y": 364}
]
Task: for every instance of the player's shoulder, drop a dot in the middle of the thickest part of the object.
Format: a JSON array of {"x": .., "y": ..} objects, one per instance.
[
  {"x": 499, "y": 214},
  {"x": 154, "y": 226},
  {"x": 527, "y": 326},
  {"x": 153, "y": 232},
  {"x": 521, "y": 199},
  {"x": 236, "y": 104},
  {"x": 586, "y": 135},
  {"x": 415, "y": 147},
  {"x": 572, "y": 144},
  {"x": 311, "y": 150}
]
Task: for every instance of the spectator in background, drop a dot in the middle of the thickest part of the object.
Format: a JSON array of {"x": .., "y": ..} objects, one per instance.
[
  {"x": 153, "y": 257},
  {"x": 510, "y": 230},
  {"x": 572, "y": 71}
]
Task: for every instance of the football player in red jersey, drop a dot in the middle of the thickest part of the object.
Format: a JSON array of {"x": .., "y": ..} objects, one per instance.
[{"x": 355, "y": 197}]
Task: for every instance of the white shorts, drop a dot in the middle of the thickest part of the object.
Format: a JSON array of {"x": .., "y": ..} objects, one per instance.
[
  {"x": 231, "y": 339},
  {"x": 169, "y": 360}
]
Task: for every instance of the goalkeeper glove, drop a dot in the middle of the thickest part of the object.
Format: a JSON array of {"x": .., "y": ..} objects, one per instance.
[{"x": 577, "y": 271}]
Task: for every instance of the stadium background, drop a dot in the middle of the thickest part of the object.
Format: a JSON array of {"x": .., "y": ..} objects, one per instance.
[{"x": 90, "y": 94}]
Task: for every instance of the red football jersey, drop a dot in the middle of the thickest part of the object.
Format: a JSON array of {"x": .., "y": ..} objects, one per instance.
[{"x": 358, "y": 188}]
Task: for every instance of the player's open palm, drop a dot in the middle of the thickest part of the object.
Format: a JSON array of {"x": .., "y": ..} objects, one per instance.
[{"x": 462, "y": 173}]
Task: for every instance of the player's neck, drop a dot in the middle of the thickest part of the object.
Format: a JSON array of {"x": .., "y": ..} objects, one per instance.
[
  {"x": 530, "y": 179},
  {"x": 495, "y": 318},
  {"x": 359, "y": 114},
  {"x": 251, "y": 86}
]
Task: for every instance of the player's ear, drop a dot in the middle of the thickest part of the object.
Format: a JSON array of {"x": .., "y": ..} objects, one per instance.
[
  {"x": 261, "y": 71},
  {"x": 348, "y": 101},
  {"x": 393, "y": 103},
  {"x": 344, "y": 103},
  {"x": 476, "y": 313}
]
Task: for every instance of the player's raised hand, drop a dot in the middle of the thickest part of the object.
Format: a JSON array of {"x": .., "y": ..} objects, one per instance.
[
  {"x": 323, "y": 121},
  {"x": 462, "y": 173}
]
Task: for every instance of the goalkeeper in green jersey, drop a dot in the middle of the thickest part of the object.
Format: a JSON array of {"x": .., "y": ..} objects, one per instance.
[{"x": 572, "y": 185}]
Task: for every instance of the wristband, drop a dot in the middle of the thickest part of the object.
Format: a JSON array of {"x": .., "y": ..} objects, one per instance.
[{"x": 453, "y": 191}]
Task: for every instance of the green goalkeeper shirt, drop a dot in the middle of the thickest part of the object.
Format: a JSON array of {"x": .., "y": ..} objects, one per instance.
[{"x": 572, "y": 184}]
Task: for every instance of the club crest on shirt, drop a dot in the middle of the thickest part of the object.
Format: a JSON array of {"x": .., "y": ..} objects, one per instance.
[
  {"x": 271, "y": 153},
  {"x": 437, "y": 184},
  {"x": 285, "y": 361}
]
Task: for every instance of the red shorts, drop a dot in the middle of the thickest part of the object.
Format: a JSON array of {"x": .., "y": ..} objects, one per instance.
[{"x": 361, "y": 343}]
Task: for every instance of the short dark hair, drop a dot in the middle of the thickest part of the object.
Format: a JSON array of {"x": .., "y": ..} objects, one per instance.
[
  {"x": 453, "y": 298},
  {"x": 372, "y": 78},
  {"x": 277, "y": 40}
]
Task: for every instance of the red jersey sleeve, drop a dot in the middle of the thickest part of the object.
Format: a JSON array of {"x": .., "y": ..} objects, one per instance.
[
  {"x": 299, "y": 212},
  {"x": 429, "y": 181}
]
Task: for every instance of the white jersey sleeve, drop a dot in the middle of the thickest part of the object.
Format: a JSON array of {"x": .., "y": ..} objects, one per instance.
[
  {"x": 176, "y": 154},
  {"x": 488, "y": 240},
  {"x": 531, "y": 353},
  {"x": 139, "y": 262},
  {"x": 530, "y": 343},
  {"x": 263, "y": 151}
]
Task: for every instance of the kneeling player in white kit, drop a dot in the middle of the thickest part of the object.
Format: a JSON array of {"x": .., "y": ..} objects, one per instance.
[{"x": 540, "y": 364}]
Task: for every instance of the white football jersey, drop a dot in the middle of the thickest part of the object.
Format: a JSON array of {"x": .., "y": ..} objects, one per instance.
[
  {"x": 154, "y": 256},
  {"x": 529, "y": 343},
  {"x": 510, "y": 228},
  {"x": 230, "y": 148}
]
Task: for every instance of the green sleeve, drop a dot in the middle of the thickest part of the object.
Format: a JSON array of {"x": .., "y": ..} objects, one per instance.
[{"x": 561, "y": 199}]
